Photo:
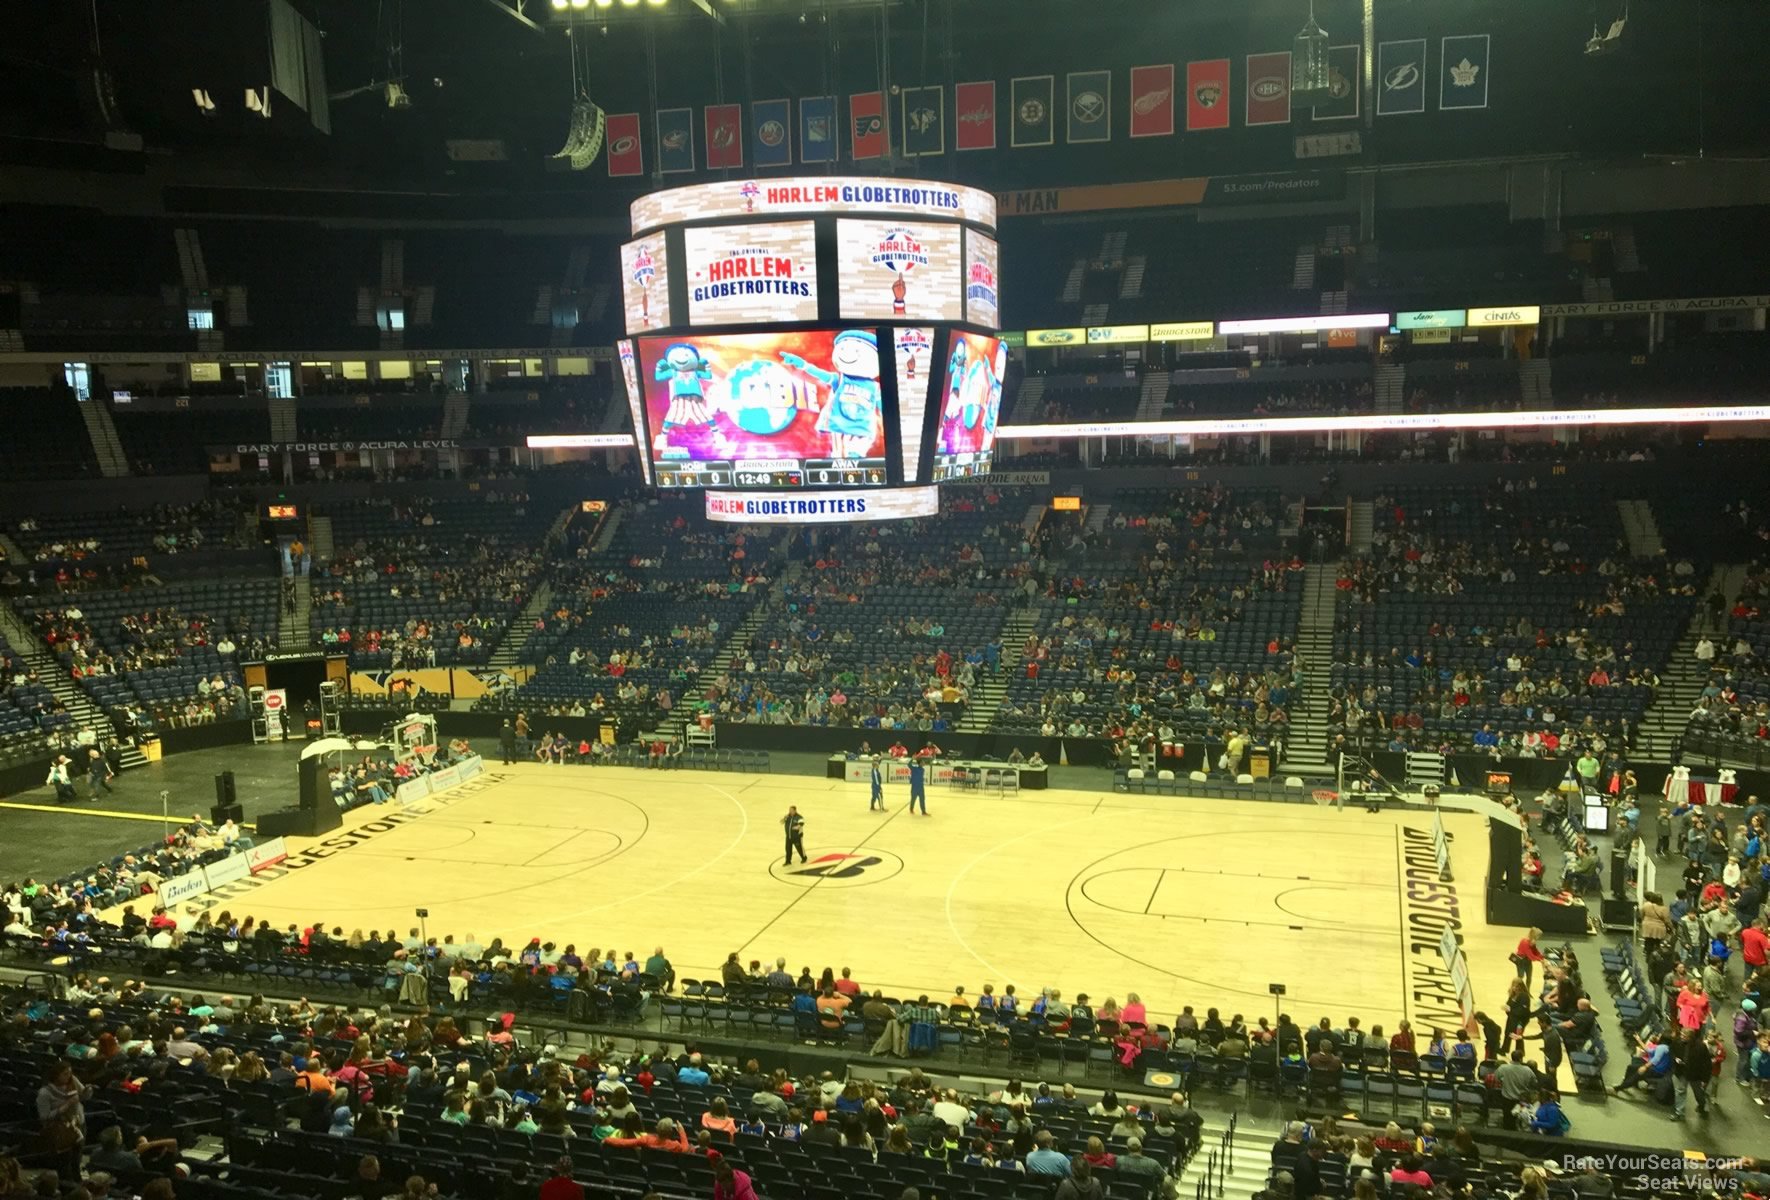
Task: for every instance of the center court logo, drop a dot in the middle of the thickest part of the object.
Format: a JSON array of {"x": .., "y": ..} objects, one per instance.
[{"x": 839, "y": 868}]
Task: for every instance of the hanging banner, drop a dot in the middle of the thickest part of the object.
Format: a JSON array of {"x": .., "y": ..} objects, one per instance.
[
  {"x": 974, "y": 115},
  {"x": 866, "y": 125},
  {"x": 626, "y": 155},
  {"x": 1089, "y": 106},
  {"x": 1343, "y": 85},
  {"x": 771, "y": 123},
  {"x": 1152, "y": 101},
  {"x": 924, "y": 121},
  {"x": 1029, "y": 111},
  {"x": 676, "y": 141},
  {"x": 817, "y": 129},
  {"x": 1401, "y": 77},
  {"x": 1269, "y": 88},
  {"x": 725, "y": 136},
  {"x": 1462, "y": 71},
  {"x": 1207, "y": 94}
]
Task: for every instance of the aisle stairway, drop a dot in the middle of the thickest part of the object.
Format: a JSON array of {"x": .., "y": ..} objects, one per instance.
[
  {"x": 987, "y": 696},
  {"x": 294, "y": 631},
  {"x": 1640, "y": 528},
  {"x": 1363, "y": 522},
  {"x": 1682, "y": 682},
  {"x": 319, "y": 539},
  {"x": 112, "y": 462},
  {"x": 509, "y": 651},
  {"x": 1029, "y": 402},
  {"x": 1154, "y": 397},
  {"x": 285, "y": 426},
  {"x": 55, "y": 677},
  {"x": 457, "y": 411},
  {"x": 1232, "y": 1168},
  {"x": 1391, "y": 388},
  {"x": 1306, "y": 751}
]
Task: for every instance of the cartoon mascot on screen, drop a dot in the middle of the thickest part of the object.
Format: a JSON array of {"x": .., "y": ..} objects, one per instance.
[
  {"x": 690, "y": 421},
  {"x": 854, "y": 411}
]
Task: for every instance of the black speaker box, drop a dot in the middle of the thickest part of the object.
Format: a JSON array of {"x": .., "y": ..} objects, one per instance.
[
  {"x": 298, "y": 822},
  {"x": 227, "y": 812}
]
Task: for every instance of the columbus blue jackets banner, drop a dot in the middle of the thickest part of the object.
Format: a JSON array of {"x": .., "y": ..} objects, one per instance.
[
  {"x": 1089, "y": 106},
  {"x": 1029, "y": 111},
  {"x": 771, "y": 123},
  {"x": 1401, "y": 77},
  {"x": 924, "y": 121},
  {"x": 1343, "y": 84},
  {"x": 1462, "y": 72},
  {"x": 817, "y": 129},
  {"x": 675, "y": 140}
]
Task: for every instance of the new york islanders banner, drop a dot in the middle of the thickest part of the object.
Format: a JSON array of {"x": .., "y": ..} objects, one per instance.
[
  {"x": 924, "y": 121},
  {"x": 974, "y": 115},
  {"x": 725, "y": 136},
  {"x": 817, "y": 129},
  {"x": 1207, "y": 94},
  {"x": 1029, "y": 114},
  {"x": 1152, "y": 101},
  {"x": 771, "y": 124},
  {"x": 1269, "y": 89},
  {"x": 626, "y": 155},
  {"x": 866, "y": 125},
  {"x": 1089, "y": 106},
  {"x": 675, "y": 140}
]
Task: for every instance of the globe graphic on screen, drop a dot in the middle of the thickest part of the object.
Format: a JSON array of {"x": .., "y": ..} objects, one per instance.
[{"x": 763, "y": 399}]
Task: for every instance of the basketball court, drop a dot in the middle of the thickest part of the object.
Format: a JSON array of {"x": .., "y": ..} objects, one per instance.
[{"x": 1183, "y": 901}]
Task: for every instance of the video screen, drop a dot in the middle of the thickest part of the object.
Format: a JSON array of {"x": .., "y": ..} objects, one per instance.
[
  {"x": 765, "y": 410},
  {"x": 635, "y": 399},
  {"x": 645, "y": 283},
  {"x": 971, "y": 400},
  {"x": 751, "y": 274},
  {"x": 915, "y": 352},
  {"x": 981, "y": 258},
  {"x": 898, "y": 270}
]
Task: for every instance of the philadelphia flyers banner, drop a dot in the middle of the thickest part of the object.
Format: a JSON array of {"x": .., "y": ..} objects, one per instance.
[
  {"x": 625, "y": 155},
  {"x": 866, "y": 119},
  {"x": 1152, "y": 101}
]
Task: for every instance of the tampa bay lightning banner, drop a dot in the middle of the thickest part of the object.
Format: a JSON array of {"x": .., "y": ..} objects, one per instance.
[{"x": 1401, "y": 77}]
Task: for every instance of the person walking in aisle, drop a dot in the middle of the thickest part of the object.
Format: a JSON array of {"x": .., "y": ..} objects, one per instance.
[
  {"x": 794, "y": 824},
  {"x": 98, "y": 771},
  {"x": 878, "y": 793},
  {"x": 918, "y": 792}
]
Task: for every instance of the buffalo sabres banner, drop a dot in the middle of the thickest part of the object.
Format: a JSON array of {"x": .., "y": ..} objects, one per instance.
[
  {"x": 625, "y": 155},
  {"x": 1343, "y": 63},
  {"x": 1269, "y": 88},
  {"x": 924, "y": 121},
  {"x": 1029, "y": 111},
  {"x": 771, "y": 139},
  {"x": 725, "y": 136},
  {"x": 866, "y": 125},
  {"x": 1089, "y": 106},
  {"x": 1152, "y": 101},
  {"x": 1462, "y": 72},
  {"x": 1401, "y": 77},
  {"x": 817, "y": 129},
  {"x": 974, "y": 115},
  {"x": 675, "y": 140},
  {"x": 1207, "y": 94}
]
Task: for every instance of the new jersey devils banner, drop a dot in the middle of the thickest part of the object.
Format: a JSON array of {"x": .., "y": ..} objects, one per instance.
[{"x": 725, "y": 136}]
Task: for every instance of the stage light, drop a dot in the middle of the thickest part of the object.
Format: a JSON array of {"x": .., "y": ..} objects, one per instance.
[
  {"x": 559, "y": 5},
  {"x": 630, "y": 3},
  {"x": 657, "y": 3},
  {"x": 205, "y": 105},
  {"x": 580, "y": 3},
  {"x": 605, "y": 3}
]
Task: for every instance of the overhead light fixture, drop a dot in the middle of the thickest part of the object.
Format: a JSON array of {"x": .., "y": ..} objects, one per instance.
[
  {"x": 205, "y": 105},
  {"x": 559, "y": 5},
  {"x": 657, "y": 3},
  {"x": 630, "y": 3},
  {"x": 258, "y": 101},
  {"x": 604, "y": 3}
]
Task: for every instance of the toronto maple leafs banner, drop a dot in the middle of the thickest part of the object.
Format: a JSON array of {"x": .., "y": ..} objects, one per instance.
[
  {"x": 1462, "y": 72},
  {"x": 771, "y": 123},
  {"x": 817, "y": 129},
  {"x": 675, "y": 140},
  {"x": 1089, "y": 106},
  {"x": 924, "y": 121},
  {"x": 1401, "y": 77},
  {"x": 974, "y": 115},
  {"x": 1029, "y": 111}
]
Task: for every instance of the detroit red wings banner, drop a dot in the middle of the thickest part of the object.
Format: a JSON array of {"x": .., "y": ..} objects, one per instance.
[
  {"x": 725, "y": 136},
  {"x": 625, "y": 154},
  {"x": 974, "y": 115},
  {"x": 866, "y": 125},
  {"x": 1207, "y": 94},
  {"x": 1152, "y": 101}
]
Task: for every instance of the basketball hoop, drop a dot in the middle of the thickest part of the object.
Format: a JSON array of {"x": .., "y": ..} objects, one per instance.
[{"x": 1325, "y": 796}]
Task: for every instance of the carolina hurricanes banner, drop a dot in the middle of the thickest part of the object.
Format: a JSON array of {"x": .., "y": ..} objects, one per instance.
[
  {"x": 1269, "y": 88},
  {"x": 625, "y": 154},
  {"x": 866, "y": 121},
  {"x": 974, "y": 115},
  {"x": 725, "y": 136},
  {"x": 1207, "y": 94},
  {"x": 1152, "y": 101}
]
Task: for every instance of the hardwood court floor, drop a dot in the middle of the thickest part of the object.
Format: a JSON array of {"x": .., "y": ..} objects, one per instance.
[{"x": 1192, "y": 901}]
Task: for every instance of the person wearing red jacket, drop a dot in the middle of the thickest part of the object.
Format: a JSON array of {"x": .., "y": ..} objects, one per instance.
[
  {"x": 730, "y": 1183},
  {"x": 669, "y": 1137}
]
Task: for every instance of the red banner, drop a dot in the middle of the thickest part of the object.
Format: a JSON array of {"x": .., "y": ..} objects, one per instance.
[
  {"x": 625, "y": 154},
  {"x": 1207, "y": 94},
  {"x": 975, "y": 115},
  {"x": 725, "y": 136},
  {"x": 1269, "y": 88},
  {"x": 866, "y": 124},
  {"x": 1152, "y": 101}
]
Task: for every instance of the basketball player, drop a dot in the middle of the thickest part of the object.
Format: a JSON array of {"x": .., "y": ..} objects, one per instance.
[
  {"x": 878, "y": 796},
  {"x": 794, "y": 824},
  {"x": 917, "y": 790}
]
